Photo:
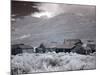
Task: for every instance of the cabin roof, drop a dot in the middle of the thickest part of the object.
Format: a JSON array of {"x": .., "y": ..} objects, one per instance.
[
  {"x": 22, "y": 46},
  {"x": 50, "y": 45},
  {"x": 25, "y": 47},
  {"x": 65, "y": 46},
  {"x": 91, "y": 45}
]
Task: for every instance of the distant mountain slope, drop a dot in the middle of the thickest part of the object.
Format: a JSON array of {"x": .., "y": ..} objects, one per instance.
[{"x": 33, "y": 31}]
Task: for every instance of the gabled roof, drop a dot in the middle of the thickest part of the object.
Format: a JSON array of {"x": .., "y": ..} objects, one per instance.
[{"x": 68, "y": 43}]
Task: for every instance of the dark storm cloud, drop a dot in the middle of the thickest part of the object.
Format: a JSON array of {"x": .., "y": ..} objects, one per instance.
[{"x": 22, "y": 8}]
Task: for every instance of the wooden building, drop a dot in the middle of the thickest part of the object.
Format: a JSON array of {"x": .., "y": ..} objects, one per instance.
[{"x": 21, "y": 48}]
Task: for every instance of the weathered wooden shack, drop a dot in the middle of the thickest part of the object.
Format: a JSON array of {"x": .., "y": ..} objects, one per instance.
[
  {"x": 21, "y": 48},
  {"x": 66, "y": 46},
  {"x": 92, "y": 47}
]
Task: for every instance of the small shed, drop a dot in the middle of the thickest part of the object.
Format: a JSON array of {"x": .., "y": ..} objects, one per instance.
[
  {"x": 21, "y": 48},
  {"x": 92, "y": 47}
]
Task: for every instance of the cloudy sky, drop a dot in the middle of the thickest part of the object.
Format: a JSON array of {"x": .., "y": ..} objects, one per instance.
[{"x": 37, "y": 22}]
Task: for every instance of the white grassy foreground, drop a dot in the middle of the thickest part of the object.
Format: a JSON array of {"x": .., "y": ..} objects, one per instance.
[{"x": 30, "y": 63}]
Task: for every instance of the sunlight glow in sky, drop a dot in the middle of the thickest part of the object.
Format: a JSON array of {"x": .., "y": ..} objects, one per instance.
[
  {"x": 43, "y": 15},
  {"x": 48, "y": 10}
]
